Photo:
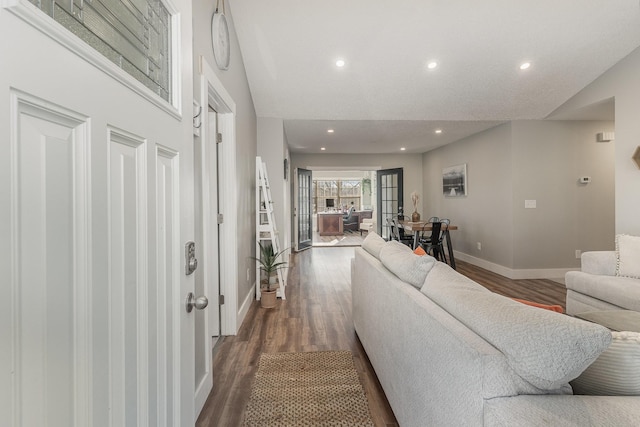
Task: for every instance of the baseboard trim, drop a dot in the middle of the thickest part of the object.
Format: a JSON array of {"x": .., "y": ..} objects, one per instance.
[
  {"x": 526, "y": 273},
  {"x": 246, "y": 305}
]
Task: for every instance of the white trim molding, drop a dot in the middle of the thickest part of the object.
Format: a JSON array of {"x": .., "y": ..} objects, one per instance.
[
  {"x": 517, "y": 274},
  {"x": 213, "y": 93}
]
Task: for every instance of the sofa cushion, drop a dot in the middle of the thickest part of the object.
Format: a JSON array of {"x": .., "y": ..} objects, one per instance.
[
  {"x": 616, "y": 372},
  {"x": 545, "y": 348},
  {"x": 556, "y": 308},
  {"x": 628, "y": 256},
  {"x": 401, "y": 261},
  {"x": 599, "y": 262},
  {"x": 619, "y": 291},
  {"x": 373, "y": 243}
]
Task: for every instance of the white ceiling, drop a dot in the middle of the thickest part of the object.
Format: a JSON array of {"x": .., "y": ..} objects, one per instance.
[{"x": 385, "y": 97}]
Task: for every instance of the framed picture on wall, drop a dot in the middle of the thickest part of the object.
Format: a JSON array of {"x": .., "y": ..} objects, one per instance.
[{"x": 454, "y": 181}]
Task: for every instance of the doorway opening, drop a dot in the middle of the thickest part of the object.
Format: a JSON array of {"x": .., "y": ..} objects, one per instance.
[{"x": 334, "y": 205}]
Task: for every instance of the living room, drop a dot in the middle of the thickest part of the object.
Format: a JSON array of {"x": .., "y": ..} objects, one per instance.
[
  {"x": 103, "y": 207},
  {"x": 510, "y": 165}
]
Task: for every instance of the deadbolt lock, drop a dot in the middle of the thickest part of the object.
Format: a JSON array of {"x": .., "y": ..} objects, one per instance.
[{"x": 190, "y": 257}]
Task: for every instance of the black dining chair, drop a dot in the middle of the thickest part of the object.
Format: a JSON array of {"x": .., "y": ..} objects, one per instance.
[
  {"x": 430, "y": 243},
  {"x": 444, "y": 228},
  {"x": 396, "y": 232},
  {"x": 427, "y": 239}
]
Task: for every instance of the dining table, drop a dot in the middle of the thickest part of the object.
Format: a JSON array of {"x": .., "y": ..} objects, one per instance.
[{"x": 417, "y": 227}]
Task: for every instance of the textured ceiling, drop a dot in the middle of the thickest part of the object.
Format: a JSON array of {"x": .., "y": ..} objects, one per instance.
[{"x": 385, "y": 97}]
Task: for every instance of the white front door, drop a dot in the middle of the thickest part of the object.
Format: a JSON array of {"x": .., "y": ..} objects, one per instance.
[{"x": 94, "y": 214}]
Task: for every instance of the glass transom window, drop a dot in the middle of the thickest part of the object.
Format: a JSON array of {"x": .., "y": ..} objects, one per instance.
[{"x": 133, "y": 34}]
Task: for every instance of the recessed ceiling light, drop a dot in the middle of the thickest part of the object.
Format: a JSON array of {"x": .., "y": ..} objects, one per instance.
[
  {"x": 330, "y": 130},
  {"x": 438, "y": 131},
  {"x": 340, "y": 63},
  {"x": 322, "y": 148},
  {"x": 402, "y": 148},
  {"x": 525, "y": 65},
  {"x": 432, "y": 65}
]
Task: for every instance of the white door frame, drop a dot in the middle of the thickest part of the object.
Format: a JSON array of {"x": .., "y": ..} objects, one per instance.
[{"x": 213, "y": 92}]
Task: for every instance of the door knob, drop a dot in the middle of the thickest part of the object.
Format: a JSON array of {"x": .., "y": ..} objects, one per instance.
[{"x": 199, "y": 303}]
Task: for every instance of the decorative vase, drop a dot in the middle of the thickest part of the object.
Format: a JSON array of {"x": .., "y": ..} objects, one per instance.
[
  {"x": 268, "y": 298},
  {"x": 415, "y": 216}
]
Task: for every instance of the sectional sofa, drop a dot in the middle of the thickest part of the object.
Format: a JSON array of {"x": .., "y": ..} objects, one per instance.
[
  {"x": 448, "y": 352},
  {"x": 598, "y": 287}
]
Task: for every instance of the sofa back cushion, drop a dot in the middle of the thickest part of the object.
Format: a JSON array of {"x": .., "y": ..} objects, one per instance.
[
  {"x": 407, "y": 266},
  {"x": 373, "y": 243},
  {"x": 545, "y": 348}
]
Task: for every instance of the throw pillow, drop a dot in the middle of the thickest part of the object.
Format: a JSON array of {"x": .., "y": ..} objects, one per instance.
[
  {"x": 419, "y": 251},
  {"x": 400, "y": 260},
  {"x": 556, "y": 308},
  {"x": 373, "y": 243},
  {"x": 616, "y": 372},
  {"x": 628, "y": 256}
]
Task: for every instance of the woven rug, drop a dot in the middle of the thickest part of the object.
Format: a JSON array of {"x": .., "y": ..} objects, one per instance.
[{"x": 307, "y": 389}]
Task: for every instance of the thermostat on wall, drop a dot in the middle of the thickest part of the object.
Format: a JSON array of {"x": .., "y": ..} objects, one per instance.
[{"x": 585, "y": 179}]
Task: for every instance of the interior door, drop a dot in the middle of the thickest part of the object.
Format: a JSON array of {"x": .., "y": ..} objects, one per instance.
[
  {"x": 207, "y": 321},
  {"x": 303, "y": 209},
  {"x": 94, "y": 204},
  {"x": 389, "y": 197}
]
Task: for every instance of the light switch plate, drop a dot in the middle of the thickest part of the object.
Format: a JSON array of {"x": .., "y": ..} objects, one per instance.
[{"x": 529, "y": 204}]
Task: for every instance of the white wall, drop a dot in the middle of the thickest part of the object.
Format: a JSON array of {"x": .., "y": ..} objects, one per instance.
[
  {"x": 548, "y": 159},
  {"x": 235, "y": 82},
  {"x": 528, "y": 160},
  {"x": 485, "y": 214},
  {"x": 621, "y": 82},
  {"x": 272, "y": 148}
]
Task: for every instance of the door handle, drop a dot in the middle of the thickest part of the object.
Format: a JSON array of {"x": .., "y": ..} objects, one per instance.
[{"x": 199, "y": 303}]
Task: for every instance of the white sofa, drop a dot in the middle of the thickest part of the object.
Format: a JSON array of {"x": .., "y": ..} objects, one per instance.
[
  {"x": 596, "y": 286},
  {"x": 448, "y": 352}
]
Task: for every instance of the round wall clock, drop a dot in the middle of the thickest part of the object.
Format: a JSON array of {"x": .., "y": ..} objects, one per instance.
[{"x": 220, "y": 39}]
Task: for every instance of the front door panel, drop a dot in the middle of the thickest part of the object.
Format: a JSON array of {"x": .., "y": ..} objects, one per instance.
[{"x": 91, "y": 316}]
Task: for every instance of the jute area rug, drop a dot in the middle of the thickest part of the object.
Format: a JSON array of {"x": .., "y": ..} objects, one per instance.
[{"x": 307, "y": 389}]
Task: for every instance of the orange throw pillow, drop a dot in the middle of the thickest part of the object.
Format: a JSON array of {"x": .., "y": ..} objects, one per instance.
[
  {"x": 556, "y": 308},
  {"x": 419, "y": 251}
]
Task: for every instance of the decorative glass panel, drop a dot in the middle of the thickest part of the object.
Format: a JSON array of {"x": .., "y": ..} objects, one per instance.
[{"x": 133, "y": 34}]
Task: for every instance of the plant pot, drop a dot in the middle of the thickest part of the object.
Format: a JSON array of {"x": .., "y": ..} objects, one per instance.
[
  {"x": 415, "y": 216},
  {"x": 268, "y": 299}
]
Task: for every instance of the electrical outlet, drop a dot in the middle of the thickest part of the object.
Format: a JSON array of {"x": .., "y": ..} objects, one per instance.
[
  {"x": 248, "y": 274},
  {"x": 578, "y": 253},
  {"x": 479, "y": 246}
]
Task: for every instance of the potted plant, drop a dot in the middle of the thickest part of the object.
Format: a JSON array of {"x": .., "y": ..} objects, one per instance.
[{"x": 269, "y": 263}]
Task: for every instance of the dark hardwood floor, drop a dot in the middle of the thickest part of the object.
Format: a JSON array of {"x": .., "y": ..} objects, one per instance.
[{"x": 316, "y": 316}]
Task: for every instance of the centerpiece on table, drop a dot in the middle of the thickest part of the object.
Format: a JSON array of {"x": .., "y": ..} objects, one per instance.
[{"x": 415, "y": 216}]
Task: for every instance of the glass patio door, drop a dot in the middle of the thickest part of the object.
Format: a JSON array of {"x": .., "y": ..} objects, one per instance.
[
  {"x": 389, "y": 198},
  {"x": 304, "y": 229}
]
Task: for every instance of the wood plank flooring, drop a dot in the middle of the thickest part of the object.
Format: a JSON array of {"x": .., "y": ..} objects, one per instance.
[
  {"x": 349, "y": 238},
  {"x": 316, "y": 316}
]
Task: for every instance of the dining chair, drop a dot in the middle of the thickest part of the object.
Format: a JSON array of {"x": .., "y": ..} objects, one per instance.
[
  {"x": 429, "y": 244},
  {"x": 444, "y": 228},
  {"x": 395, "y": 232},
  {"x": 427, "y": 239}
]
